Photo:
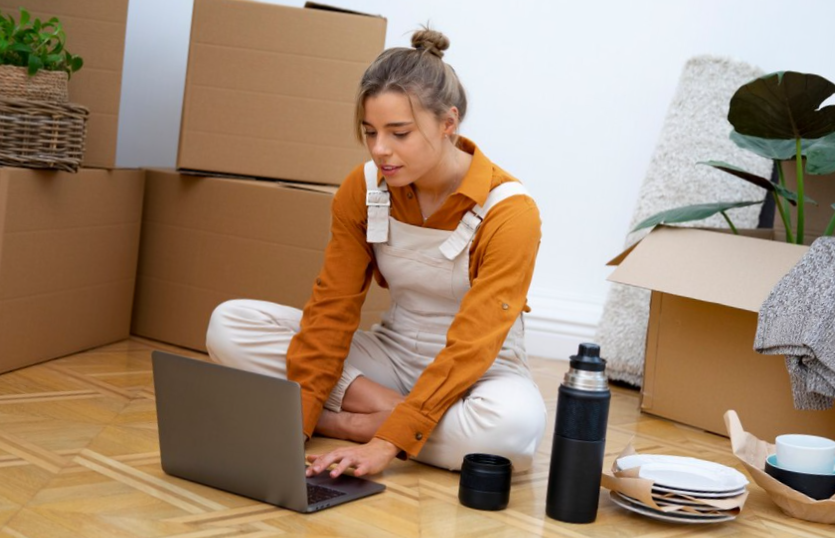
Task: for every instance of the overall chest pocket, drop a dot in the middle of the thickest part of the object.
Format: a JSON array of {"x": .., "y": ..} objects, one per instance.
[{"x": 416, "y": 280}]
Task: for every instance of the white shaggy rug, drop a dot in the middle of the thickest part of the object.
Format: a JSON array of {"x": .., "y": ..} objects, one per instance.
[{"x": 695, "y": 129}]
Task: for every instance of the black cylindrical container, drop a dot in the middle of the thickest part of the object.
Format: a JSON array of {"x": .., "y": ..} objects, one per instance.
[
  {"x": 579, "y": 439},
  {"x": 485, "y": 482}
]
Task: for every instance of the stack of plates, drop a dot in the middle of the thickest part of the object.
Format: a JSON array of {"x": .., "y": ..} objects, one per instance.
[{"x": 681, "y": 481}]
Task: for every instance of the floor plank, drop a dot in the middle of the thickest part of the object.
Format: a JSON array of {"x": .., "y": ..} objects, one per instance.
[{"x": 79, "y": 457}]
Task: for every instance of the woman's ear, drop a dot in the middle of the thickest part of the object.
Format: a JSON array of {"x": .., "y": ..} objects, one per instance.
[{"x": 451, "y": 122}]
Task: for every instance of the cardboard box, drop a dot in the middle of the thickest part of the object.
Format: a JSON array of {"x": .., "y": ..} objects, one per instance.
[
  {"x": 270, "y": 90},
  {"x": 821, "y": 189},
  {"x": 95, "y": 31},
  {"x": 707, "y": 289},
  {"x": 208, "y": 240},
  {"x": 68, "y": 252}
]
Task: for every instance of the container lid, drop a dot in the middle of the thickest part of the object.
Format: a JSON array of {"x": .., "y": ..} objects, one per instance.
[{"x": 588, "y": 358}]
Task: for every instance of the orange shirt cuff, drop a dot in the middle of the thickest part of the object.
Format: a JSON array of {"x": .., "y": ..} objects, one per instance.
[
  {"x": 407, "y": 429},
  {"x": 311, "y": 410}
]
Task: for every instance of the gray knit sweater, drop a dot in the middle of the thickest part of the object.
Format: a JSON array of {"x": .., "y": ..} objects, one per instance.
[{"x": 798, "y": 321}]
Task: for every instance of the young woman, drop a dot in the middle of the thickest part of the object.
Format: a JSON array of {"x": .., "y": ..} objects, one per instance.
[{"x": 454, "y": 238}]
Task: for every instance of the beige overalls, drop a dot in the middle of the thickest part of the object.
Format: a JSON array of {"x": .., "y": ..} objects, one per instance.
[{"x": 427, "y": 271}]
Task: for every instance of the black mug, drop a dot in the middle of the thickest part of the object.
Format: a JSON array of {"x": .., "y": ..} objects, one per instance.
[{"x": 485, "y": 482}]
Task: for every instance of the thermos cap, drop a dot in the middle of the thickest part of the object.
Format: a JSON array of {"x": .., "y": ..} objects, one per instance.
[
  {"x": 587, "y": 370},
  {"x": 588, "y": 358}
]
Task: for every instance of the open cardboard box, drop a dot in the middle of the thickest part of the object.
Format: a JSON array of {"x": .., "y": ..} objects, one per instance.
[
  {"x": 270, "y": 89},
  {"x": 68, "y": 251},
  {"x": 95, "y": 31},
  {"x": 707, "y": 288},
  {"x": 206, "y": 240}
]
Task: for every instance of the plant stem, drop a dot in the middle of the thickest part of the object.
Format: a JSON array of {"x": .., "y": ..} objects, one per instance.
[
  {"x": 787, "y": 222},
  {"x": 831, "y": 228},
  {"x": 731, "y": 224},
  {"x": 780, "y": 172},
  {"x": 801, "y": 221},
  {"x": 785, "y": 216}
]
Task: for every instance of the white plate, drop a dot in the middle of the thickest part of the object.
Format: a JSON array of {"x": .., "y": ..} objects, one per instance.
[
  {"x": 655, "y": 514},
  {"x": 682, "y": 473}
]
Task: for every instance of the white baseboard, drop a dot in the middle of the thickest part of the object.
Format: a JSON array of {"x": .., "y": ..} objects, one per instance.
[{"x": 558, "y": 323}]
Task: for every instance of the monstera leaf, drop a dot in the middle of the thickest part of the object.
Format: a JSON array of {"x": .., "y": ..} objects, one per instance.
[
  {"x": 819, "y": 153},
  {"x": 820, "y": 156},
  {"x": 785, "y": 106},
  {"x": 759, "y": 181},
  {"x": 691, "y": 212},
  {"x": 770, "y": 148},
  {"x": 779, "y": 117}
]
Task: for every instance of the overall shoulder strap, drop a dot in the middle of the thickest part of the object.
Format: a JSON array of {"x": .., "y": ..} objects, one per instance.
[
  {"x": 464, "y": 233},
  {"x": 500, "y": 194},
  {"x": 378, "y": 202}
]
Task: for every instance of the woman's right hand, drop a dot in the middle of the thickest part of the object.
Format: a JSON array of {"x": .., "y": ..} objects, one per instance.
[{"x": 370, "y": 458}]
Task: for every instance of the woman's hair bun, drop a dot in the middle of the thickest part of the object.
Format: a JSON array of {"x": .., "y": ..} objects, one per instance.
[{"x": 431, "y": 41}]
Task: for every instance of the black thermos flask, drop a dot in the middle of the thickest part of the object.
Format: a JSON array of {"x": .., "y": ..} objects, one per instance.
[{"x": 579, "y": 439}]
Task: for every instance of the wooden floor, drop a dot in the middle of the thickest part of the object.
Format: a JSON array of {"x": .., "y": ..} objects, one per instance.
[{"x": 79, "y": 458}]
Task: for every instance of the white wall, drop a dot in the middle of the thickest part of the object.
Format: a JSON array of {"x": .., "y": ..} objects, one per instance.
[{"x": 568, "y": 96}]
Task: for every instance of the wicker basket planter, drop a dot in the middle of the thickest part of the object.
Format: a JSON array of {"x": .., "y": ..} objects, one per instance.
[
  {"x": 51, "y": 86},
  {"x": 40, "y": 134}
]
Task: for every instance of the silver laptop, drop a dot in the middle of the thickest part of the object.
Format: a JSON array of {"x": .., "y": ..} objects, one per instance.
[{"x": 241, "y": 432}]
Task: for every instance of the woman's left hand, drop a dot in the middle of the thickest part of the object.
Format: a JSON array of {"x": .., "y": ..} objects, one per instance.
[{"x": 370, "y": 458}]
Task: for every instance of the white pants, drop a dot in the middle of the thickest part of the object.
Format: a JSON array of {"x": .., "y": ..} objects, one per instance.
[{"x": 502, "y": 413}]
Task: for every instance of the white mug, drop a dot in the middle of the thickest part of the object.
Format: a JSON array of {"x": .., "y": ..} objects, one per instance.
[{"x": 806, "y": 453}]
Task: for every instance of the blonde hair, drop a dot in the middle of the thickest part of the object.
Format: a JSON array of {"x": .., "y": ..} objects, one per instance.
[{"x": 418, "y": 71}]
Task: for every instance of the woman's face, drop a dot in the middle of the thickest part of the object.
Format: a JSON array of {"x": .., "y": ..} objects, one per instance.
[{"x": 405, "y": 140}]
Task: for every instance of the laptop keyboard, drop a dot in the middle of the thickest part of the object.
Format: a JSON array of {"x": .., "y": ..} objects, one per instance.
[{"x": 316, "y": 494}]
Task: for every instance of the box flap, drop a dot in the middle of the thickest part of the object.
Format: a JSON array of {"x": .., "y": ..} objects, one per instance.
[
  {"x": 311, "y": 187},
  {"x": 325, "y": 7},
  {"x": 620, "y": 257},
  {"x": 758, "y": 233},
  {"x": 719, "y": 268}
]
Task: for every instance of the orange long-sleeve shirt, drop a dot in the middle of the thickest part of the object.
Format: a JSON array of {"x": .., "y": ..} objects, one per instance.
[{"x": 502, "y": 257}]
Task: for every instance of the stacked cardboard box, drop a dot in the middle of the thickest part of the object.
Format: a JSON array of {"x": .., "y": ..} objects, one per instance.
[
  {"x": 270, "y": 90},
  {"x": 69, "y": 242},
  {"x": 269, "y": 93},
  {"x": 68, "y": 251},
  {"x": 707, "y": 288},
  {"x": 207, "y": 240}
]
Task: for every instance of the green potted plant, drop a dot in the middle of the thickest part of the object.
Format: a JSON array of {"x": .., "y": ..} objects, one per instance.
[
  {"x": 40, "y": 127},
  {"x": 34, "y": 63},
  {"x": 779, "y": 117}
]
